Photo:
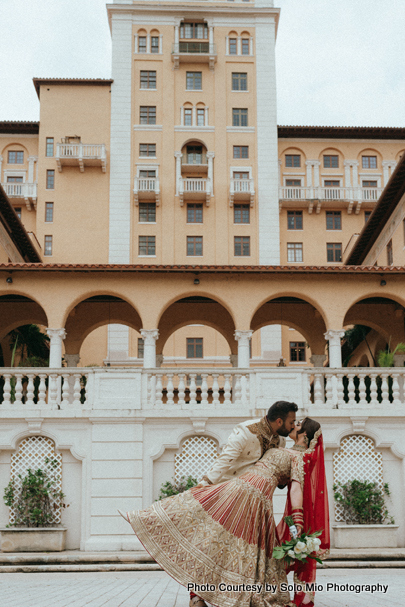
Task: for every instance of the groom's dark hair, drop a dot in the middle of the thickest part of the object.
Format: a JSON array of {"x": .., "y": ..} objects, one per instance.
[{"x": 280, "y": 410}]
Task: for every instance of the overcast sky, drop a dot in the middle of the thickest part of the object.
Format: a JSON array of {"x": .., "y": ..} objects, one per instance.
[{"x": 339, "y": 62}]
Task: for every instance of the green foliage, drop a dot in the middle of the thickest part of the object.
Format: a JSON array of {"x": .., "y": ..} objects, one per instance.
[
  {"x": 385, "y": 358},
  {"x": 363, "y": 502},
  {"x": 168, "y": 489},
  {"x": 29, "y": 341},
  {"x": 37, "y": 498}
]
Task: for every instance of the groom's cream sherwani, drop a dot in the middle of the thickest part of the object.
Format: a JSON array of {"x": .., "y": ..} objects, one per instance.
[{"x": 246, "y": 445}]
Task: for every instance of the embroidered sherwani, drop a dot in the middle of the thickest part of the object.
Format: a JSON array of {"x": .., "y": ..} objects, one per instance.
[
  {"x": 223, "y": 534},
  {"x": 245, "y": 446}
]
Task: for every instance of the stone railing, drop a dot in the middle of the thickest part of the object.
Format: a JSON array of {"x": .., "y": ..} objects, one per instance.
[
  {"x": 252, "y": 390},
  {"x": 80, "y": 150},
  {"x": 329, "y": 193},
  {"x": 20, "y": 190},
  {"x": 203, "y": 388}
]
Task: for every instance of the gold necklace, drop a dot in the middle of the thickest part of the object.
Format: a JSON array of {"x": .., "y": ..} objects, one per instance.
[{"x": 299, "y": 447}]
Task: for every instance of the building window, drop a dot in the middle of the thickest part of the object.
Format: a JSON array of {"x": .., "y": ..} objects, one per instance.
[
  {"x": 49, "y": 146},
  {"x": 294, "y": 251},
  {"x": 194, "y": 246},
  {"x": 369, "y": 184},
  {"x": 147, "y": 114},
  {"x": 240, "y": 175},
  {"x": 245, "y": 46},
  {"x": 154, "y": 45},
  {"x": 334, "y": 251},
  {"x": 194, "y": 81},
  {"x": 293, "y": 183},
  {"x": 48, "y": 246},
  {"x": 233, "y": 48},
  {"x": 294, "y": 220},
  {"x": 148, "y": 79},
  {"x": 200, "y": 117},
  {"x": 390, "y": 257},
  {"x": 49, "y": 212},
  {"x": 239, "y": 81},
  {"x": 333, "y": 220},
  {"x": 14, "y": 179},
  {"x": 297, "y": 351},
  {"x": 241, "y": 213},
  {"x": 188, "y": 117},
  {"x": 50, "y": 179},
  {"x": 293, "y": 160},
  {"x": 369, "y": 162},
  {"x": 194, "y": 213},
  {"x": 15, "y": 157},
  {"x": 331, "y": 162},
  {"x": 239, "y": 117},
  {"x": 241, "y": 151},
  {"x": 147, "y": 212},
  {"x": 197, "y": 31},
  {"x": 18, "y": 212},
  {"x": 146, "y": 174},
  {"x": 367, "y": 217},
  {"x": 147, "y": 149},
  {"x": 141, "y": 44},
  {"x": 194, "y": 347},
  {"x": 147, "y": 245},
  {"x": 241, "y": 246}
]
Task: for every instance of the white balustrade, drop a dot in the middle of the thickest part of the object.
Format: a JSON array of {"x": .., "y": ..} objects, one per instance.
[
  {"x": 242, "y": 185},
  {"x": 195, "y": 185},
  {"x": 146, "y": 184},
  {"x": 20, "y": 190},
  {"x": 81, "y": 150},
  {"x": 329, "y": 193}
]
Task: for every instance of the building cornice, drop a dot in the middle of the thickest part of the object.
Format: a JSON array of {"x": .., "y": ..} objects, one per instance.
[{"x": 345, "y": 132}]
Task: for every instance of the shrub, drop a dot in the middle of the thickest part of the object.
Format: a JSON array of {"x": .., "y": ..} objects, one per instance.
[
  {"x": 363, "y": 502},
  {"x": 173, "y": 488},
  {"x": 36, "y": 498}
]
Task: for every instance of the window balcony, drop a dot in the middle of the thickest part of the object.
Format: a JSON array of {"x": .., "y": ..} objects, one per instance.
[
  {"x": 317, "y": 197},
  {"x": 81, "y": 155},
  {"x": 145, "y": 189},
  {"x": 242, "y": 189},
  {"x": 21, "y": 191},
  {"x": 194, "y": 162},
  {"x": 194, "y": 52},
  {"x": 195, "y": 189}
]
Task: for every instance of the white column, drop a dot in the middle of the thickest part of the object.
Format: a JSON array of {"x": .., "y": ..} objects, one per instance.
[
  {"x": 210, "y": 157},
  {"x": 176, "y": 38},
  {"x": 31, "y": 166},
  {"x": 149, "y": 348},
  {"x": 316, "y": 165},
  {"x": 243, "y": 339},
  {"x": 136, "y": 43},
  {"x": 148, "y": 43},
  {"x": 55, "y": 352},
  {"x": 335, "y": 350},
  {"x": 178, "y": 156},
  {"x": 348, "y": 181},
  {"x": 227, "y": 45},
  {"x": 72, "y": 360},
  {"x": 211, "y": 38},
  {"x": 309, "y": 164},
  {"x": 239, "y": 45},
  {"x": 1, "y": 162},
  {"x": 251, "y": 45},
  {"x": 161, "y": 43},
  {"x": 194, "y": 116},
  {"x": 206, "y": 116},
  {"x": 386, "y": 166}
]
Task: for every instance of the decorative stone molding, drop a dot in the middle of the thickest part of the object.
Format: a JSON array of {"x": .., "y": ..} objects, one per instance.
[
  {"x": 318, "y": 359},
  {"x": 358, "y": 424},
  {"x": 72, "y": 360},
  {"x": 199, "y": 424},
  {"x": 34, "y": 424}
]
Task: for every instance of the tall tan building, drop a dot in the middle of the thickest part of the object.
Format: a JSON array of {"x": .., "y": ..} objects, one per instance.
[{"x": 177, "y": 160}]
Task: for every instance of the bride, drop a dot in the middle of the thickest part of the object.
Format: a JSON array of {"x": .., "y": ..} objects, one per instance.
[{"x": 218, "y": 540}]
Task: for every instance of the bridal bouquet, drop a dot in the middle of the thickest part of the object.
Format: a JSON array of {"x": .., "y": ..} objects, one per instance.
[{"x": 298, "y": 548}]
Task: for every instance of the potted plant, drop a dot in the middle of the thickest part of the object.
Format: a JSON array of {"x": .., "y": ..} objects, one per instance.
[
  {"x": 368, "y": 523},
  {"x": 35, "y": 499}
]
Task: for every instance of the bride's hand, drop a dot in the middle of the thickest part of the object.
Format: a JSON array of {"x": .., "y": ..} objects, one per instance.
[{"x": 307, "y": 599}]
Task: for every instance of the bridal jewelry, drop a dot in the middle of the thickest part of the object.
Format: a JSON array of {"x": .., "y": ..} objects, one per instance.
[{"x": 299, "y": 447}]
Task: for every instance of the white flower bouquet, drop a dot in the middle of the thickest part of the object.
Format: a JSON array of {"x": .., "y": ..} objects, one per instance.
[{"x": 298, "y": 548}]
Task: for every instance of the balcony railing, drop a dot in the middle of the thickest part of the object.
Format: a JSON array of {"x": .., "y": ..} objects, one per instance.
[
  {"x": 195, "y": 189},
  {"x": 26, "y": 191},
  {"x": 242, "y": 189},
  {"x": 146, "y": 188},
  {"x": 326, "y": 193},
  {"x": 316, "y": 389},
  {"x": 81, "y": 154},
  {"x": 195, "y": 159},
  {"x": 194, "y": 52}
]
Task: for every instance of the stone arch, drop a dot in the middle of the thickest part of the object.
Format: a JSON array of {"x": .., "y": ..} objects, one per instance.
[
  {"x": 96, "y": 311},
  {"x": 18, "y": 310},
  {"x": 196, "y": 309},
  {"x": 294, "y": 150},
  {"x": 370, "y": 152},
  {"x": 331, "y": 151},
  {"x": 383, "y": 314},
  {"x": 20, "y": 146},
  {"x": 294, "y": 312}
]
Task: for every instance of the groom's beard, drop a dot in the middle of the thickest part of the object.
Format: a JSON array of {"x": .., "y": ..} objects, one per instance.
[{"x": 282, "y": 431}]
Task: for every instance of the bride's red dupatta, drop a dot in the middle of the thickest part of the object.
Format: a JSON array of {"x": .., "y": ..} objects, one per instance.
[{"x": 316, "y": 513}]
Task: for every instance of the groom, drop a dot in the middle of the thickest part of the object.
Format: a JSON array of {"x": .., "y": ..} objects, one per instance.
[{"x": 249, "y": 441}]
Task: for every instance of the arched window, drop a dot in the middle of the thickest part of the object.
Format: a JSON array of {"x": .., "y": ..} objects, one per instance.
[
  {"x": 32, "y": 453},
  {"x": 196, "y": 457},
  {"x": 356, "y": 459}
]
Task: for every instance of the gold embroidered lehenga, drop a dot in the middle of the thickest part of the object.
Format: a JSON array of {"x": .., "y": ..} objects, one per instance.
[{"x": 223, "y": 534}]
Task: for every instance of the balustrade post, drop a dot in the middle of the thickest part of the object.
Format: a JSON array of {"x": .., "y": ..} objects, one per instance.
[
  {"x": 158, "y": 390},
  {"x": 237, "y": 395},
  {"x": 340, "y": 390},
  {"x": 227, "y": 389},
  {"x": 319, "y": 397},
  {"x": 362, "y": 389},
  {"x": 18, "y": 389},
  {"x": 170, "y": 387},
  {"x": 193, "y": 390},
  {"x": 395, "y": 390},
  {"x": 384, "y": 388},
  {"x": 373, "y": 388},
  {"x": 30, "y": 390},
  {"x": 7, "y": 389},
  {"x": 66, "y": 390},
  {"x": 351, "y": 391},
  {"x": 215, "y": 389},
  {"x": 42, "y": 390},
  {"x": 204, "y": 389},
  {"x": 181, "y": 390}
]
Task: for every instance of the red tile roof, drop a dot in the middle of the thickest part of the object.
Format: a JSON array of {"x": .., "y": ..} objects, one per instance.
[{"x": 341, "y": 132}]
